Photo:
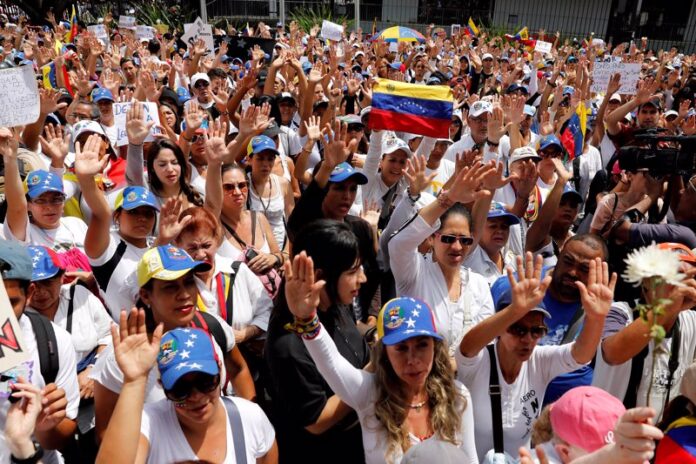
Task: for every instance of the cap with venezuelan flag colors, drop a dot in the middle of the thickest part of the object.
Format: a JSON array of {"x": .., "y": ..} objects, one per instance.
[
  {"x": 403, "y": 318},
  {"x": 132, "y": 197},
  {"x": 167, "y": 262}
]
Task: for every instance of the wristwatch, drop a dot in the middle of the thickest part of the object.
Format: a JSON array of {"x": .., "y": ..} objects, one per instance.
[
  {"x": 493, "y": 144},
  {"x": 33, "y": 459}
]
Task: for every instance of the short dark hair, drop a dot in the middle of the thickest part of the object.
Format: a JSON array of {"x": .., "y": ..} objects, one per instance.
[{"x": 593, "y": 241}]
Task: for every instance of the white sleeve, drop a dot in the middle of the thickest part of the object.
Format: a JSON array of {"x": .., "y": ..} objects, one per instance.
[
  {"x": 106, "y": 371},
  {"x": 425, "y": 147},
  {"x": 229, "y": 333},
  {"x": 468, "y": 438},
  {"x": 10, "y": 236},
  {"x": 405, "y": 210},
  {"x": 70, "y": 187},
  {"x": 100, "y": 316},
  {"x": 259, "y": 300},
  {"x": 374, "y": 154},
  {"x": 482, "y": 297},
  {"x": 354, "y": 386},
  {"x": 549, "y": 362},
  {"x": 403, "y": 250},
  {"x": 67, "y": 371},
  {"x": 469, "y": 368},
  {"x": 108, "y": 253}
]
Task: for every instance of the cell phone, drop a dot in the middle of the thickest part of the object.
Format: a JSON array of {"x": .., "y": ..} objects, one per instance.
[
  {"x": 250, "y": 254},
  {"x": 9, "y": 377}
]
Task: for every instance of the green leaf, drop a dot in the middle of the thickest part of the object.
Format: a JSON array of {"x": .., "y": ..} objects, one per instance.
[{"x": 657, "y": 333}]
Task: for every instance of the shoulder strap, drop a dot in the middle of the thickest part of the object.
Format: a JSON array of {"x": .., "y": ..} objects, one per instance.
[
  {"x": 673, "y": 358},
  {"x": 576, "y": 173},
  {"x": 46, "y": 346},
  {"x": 210, "y": 324},
  {"x": 496, "y": 408},
  {"x": 103, "y": 273},
  {"x": 233, "y": 233},
  {"x": 227, "y": 310},
  {"x": 574, "y": 326},
  {"x": 253, "y": 228},
  {"x": 237, "y": 430},
  {"x": 631, "y": 396},
  {"x": 71, "y": 308}
]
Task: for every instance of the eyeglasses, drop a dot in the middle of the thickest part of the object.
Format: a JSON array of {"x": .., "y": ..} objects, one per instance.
[
  {"x": 520, "y": 331},
  {"x": 201, "y": 85},
  {"x": 57, "y": 200},
  {"x": 197, "y": 138},
  {"x": 231, "y": 187},
  {"x": 203, "y": 383},
  {"x": 450, "y": 239}
]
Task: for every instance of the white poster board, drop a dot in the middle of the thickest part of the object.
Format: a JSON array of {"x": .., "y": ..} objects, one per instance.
[
  {"x": 144, "y": 32},
  {"x": 19, "y": 97},
  {"x": 543, "y": 47},
  {"x": 120, "y": 110},
  {"x": 13, "y": 350},
  {"x": 126, "y": 22},
  {"x": 455, "y": 30},
  {"x": 630, "y": 72},
  {"x": 99, "y": 31},
  {"x": 331, "y": 31},
  {"x": 199, "y": 30}
]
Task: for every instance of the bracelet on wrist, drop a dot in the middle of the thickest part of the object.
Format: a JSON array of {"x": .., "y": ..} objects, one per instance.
[
  {"x": 183, "y": 136},
  {"x": 444, "y": 200},
  {"x": 33, "y": 459},
  {"x": 305, "y": 329}
]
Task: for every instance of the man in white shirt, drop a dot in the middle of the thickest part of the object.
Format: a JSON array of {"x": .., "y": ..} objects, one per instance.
[{"x": 478, "y": 138}]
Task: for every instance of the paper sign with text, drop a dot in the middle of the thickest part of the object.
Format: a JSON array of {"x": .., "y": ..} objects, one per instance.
[
  {"x": 630, "y": 72},
  {"x": 13, "y": 349},
  {"x": 120, "y": 110},
  {"x": 19, "y": 96},
  {"x": 455, "y": 29},
  {"x": 127, "y": 22},
  {"x": 199, "y": 30},
  {"x": 543, "y": 47},
  {"x": 331, "y": 31},
  {"x": 144, "y": 32},
  {"x": 99, "y": 31}
]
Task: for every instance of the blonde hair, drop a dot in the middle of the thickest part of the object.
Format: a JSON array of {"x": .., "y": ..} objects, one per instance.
[
  {"x": 541, "y": 429},
  {"x": 446, "y": 403}
]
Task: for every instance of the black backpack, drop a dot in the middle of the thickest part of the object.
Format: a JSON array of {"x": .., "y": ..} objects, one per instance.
[{"x": 46, "y": 345}]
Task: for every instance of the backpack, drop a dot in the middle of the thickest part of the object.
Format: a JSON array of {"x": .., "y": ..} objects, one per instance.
[{"x": 46, "y": 346}]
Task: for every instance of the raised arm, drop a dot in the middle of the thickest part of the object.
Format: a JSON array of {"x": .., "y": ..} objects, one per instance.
[
  {"x": 645, "y": 92},
  {"x": 137, "y": 130},
  {"x": 613, "y": 86},
  {"x": 538, "y": 234},
  {"x": 17, "y": 214}
]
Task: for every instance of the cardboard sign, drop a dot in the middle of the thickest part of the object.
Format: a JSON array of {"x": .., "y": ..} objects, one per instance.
[
  {"x": 13, "y": 350},
  {"x": 99, "y": 31},
  {"x": 199, "y": 30},
  {"x": 543, "y": 47},
  {"x": 144, "y": 32},
  {"x": 19, "y": 97},
  {"x": 331, "y": 31},
  {"x": 630, "y": 72},
  {"x": 120, "y": 110},
  {"x": 455, "y": 29},
  {"x": 126, "y": 22}
]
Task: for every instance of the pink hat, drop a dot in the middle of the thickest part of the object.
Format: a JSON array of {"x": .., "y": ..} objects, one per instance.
[{"x": 585, "y": 417}]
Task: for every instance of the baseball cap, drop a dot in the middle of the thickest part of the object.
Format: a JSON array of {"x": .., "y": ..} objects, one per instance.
[
  {"x": 549, "y": 140},
  {"x": 585, "y": 417},
  {"x": 45, "y": 263},
  {"x": 272, "y": 130},
  {"x": 183, "y": 95},
  {"x": 262, "y": 143},
  {"x": 480, "y": 107},
  {"x": 529, "y": 110},
  {"x": 392, "y": 144},
  {"x": 570, "y": 191},
  {"x": 84, "y": 126},
  {"x": 505, "y": 300},
  {"x": 345, "y": 171},
  {"x": 524, "y": 153},
  {"x": 365, "y": 111},
  {"x": 101, "y": 93},
  {"x": 486, "y": 56},
  {"x": 15, "y": 262},
  {"x": 654, "y": 102},
  {"x": 615, "y": 97},
  {"x": 40, "y": 181},
  {"x": 684, "y": 252},
  {"x": 671, "y": 113},
  {"x": 351, "y": 119},
  {"x": 403, "y": 318},
  {"x": 286, "y": 96},
  {"x": 497, "y": 210},
  {"x": 167, "y": 262},
  {"x": 515, "y": 87},
  {"x": 183, "y": 351},
  {"x": 199, "y": 77},
  {"x": 133, "y": 197}
]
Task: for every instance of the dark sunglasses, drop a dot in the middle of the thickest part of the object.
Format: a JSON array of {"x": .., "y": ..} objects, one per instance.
[
  {"x": 203, "y": 383},
  {"x": 231, "y": 187},
  {"x": 197, "y": 138},
  {"x": 201, "y": 85},
  {"x": 520, "y": 331},
  {"x": 450, "y": 239}
]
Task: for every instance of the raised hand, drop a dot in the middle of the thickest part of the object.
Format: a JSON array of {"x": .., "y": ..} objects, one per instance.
[
  {"x": 496, "y": 129},
  {"x": 193, "y": 116},
  {"x": 48, "y": 101},
  {"x": 54, "y": 145},
  {"x": 336, "y": 151},
  {"x": 646, "y": 90},
  {"x": 53, "y": 407},
  {"x": 467, "y": 186},
  {"x": 136, "y": 127},
  {"x": 614, "y": 85},
  {"x": 495, "y": 179},
  {"x": 135, "y": 352},
  {"x": 529, "y": 288},
  {"x": 215, "y": 147},
  {"x": 598, "y": 294},
  {"x": 466, "y": 159},
  {"x": 170, "y": 225},
  {"x": 22, "y": 415},
  {"x": 301, "y": 291},
  {"x": 313, "y": 130},
  {"x": 418, "y": 180},
  {"x": 563, "y": 174},
  {"x": 370, "y": 213},
  {"x": 316, "y": 74}
]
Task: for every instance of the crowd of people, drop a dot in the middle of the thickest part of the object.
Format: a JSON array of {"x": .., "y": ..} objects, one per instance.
[{"x": 265, "y": 276}]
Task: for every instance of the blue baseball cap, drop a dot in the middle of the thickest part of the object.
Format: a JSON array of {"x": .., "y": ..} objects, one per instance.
[
  {"x": 102, "y": 93},
  {"x": 403, "y": 318},
  {"x": 45, "y": 263},
  {"x": 570, "y": 191},
  {"x": 167, "y": 262},
  {"x": 505, "y": 300},
  {"x": 133, "y": 197},
  {"x": 262, "y": 143},
  {"x": 183, "y": 94},
  {"x": 40, "y": 181},
  {"x": 183, "y": 351},
  {"x": 568, "y": 90},
  {"x": 498, "y": 210},
  {"x": 15, "y": 262},
  {"x": 345, "y": 171},
  {"x": 529, "y": 110},
  {"x": 549, "y": 140}
]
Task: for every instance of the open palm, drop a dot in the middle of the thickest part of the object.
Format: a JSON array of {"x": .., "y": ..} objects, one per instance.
[
  {"x": 135, "y": 352},
  {"x": 301, "y": 291},
  {"x": 529, "y": 288},
  {"x": 87, "y": 162},
  {"x": 598, "y": 295}
]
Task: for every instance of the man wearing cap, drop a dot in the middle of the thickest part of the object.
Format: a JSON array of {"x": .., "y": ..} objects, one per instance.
[
  {"x": 55, "y": 425},
  {"x": 649, "y": 109},
  {"x": 202, "y": 94},
  {"x": 104, "y": 100},
  {"x": 480, "y": 113},
  {"x": 526, "y": 137}
]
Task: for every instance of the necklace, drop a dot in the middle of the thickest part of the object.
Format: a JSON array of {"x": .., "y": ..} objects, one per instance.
[{"x": 418, "y": 406}]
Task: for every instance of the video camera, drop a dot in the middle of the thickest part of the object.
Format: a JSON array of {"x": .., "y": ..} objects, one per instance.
[{"x": 661, "y": 155}]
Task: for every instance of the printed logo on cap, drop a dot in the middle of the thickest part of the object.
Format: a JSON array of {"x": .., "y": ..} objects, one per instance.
[
  {"x": 34, "y": 180},
  {"x": 176, "y": 253},
  {"x": 132, "y": 196},
  {"x": 396, "y": 317},
  {"x": 168, "y": 351}
]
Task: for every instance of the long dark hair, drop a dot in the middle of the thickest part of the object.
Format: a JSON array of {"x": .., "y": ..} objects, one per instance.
[{"x": 156, "y": 185}]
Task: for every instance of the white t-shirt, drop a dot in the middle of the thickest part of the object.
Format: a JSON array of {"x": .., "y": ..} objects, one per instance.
[
  {"x": 590, "y": 163},
  {"x": 91, "y": 323},
  {"x": 504, "y": 147},
  {"x": 444, "y": 172},
  {"x": 521, "y": 401},
  {"x": 480, "y": 263},
  {"x": 607, "y": 149},
  {"x": 31, "y": 369},
  {"x": 467, "y": 143},
  {"x": 375, "y": 189},
  {"x": 69, "y": 234},
  {"x": 518, "y": 232},
  {"x": 168, "y": 443}
]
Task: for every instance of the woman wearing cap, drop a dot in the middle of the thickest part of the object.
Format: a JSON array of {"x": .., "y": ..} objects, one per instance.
[
  {"x": 524, "y": 370},
  {"x": 384, "y": 168},
  {"x": 168, "y": 292},
  {"x": 269, "y": 193},
  {"x": 114, "y": 255},
  {"x": 35, "y": 216},
  {"x": 192, "y": 422},
  {"x": 458, "y": 297},
  {"x": 412, "y": 395}
]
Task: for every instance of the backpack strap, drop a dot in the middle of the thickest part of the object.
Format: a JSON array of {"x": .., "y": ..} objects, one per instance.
[
  {"x": 637, "y": 362},
  {"x": 225, "y": 285},
  {"x": 237, "y": 430},
  {"x": 673, "y": 363},
  {"x": 576, "y": 173},
  {"x": 103, "y": 273},
  {"x": 210, "y": 324},
  {"x": 574, "y": 326},
  {"x": 496, "y": 407},
  {"x": 46, "y": 346},
  {"x": 71, "y": 308}
]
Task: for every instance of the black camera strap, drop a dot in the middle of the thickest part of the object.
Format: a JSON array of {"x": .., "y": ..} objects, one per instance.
[{"x": 496, "y": 406}]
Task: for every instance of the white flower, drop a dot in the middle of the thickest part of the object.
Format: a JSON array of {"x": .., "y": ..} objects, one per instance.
[{"x": 652, "y": 261}]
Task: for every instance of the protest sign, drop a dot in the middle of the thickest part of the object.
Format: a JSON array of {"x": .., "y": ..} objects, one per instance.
[
  {"x": 144, "y": 32},
  {"x": 19, "y": 96},
  {"x": 331, "y": 31},
  {"x": 13, "y": 349},
  {"x": 199, "y": 30},
  {"x": 120, "y": 110},
  {"x": 99, "y": 31},
  {"x": 455, "y": 29},
  {"x": 240, "y": 47},
  {"x": 543, "y": 47},
  {"x": 126, "y": 22},
  {"x": 630, "y": 72}
]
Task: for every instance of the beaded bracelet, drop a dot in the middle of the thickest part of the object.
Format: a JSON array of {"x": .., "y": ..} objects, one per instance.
[{"x": 305, "y": 329}]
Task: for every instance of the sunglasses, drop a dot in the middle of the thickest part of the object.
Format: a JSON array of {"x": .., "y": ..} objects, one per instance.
[
  {"x": 197, "y": 138},
  {"x": 520, "y": 331},
  {"x": 57, "y": 200},
  {"x": 201, "y": 85},
  {"x": 203, "y": 383},
  {"x": 450, "y": 239},
  {"x": 231, "y": 187}
]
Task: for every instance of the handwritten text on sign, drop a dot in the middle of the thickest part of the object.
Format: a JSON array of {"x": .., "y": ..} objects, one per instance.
[
  {"x": 19, "y": 96},
  {"x": 13, "y": 350},
  {"x": 603, "y": 72},
  {"x": 120, "y": 110}
]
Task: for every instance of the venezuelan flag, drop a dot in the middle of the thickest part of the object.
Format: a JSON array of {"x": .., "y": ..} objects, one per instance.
[
  {"x": 414, "y": 108},
  {"x": 679, "y": 444},
  {"x": 471, "y": 28},
  {"x": 72, "y": 34},
  {"x": 573, "y": 134},
  {"x": 50, "y": 79}
]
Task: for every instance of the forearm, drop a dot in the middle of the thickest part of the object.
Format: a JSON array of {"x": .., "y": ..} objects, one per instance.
[
  {"x": 120, "y": 441},
  {"x": 585, "y": 346},
  {"x": 628, "y": 342},
  {"x": 479, "y": 216},
  {"x": 16, "y": 200},
  {"x": 538, "y": 233},
  {"x": 334, "y": 411},
  {"x": 30, "y": 135},
  {"x": 486, "y": 331},
  {"x": 270, "y": 81},
  {"x": 516, "y": 140},
  {"x": 239, "y": 373},
  {"x": 134, "y": 165},
  {"x": 250, "y": 331},
  {"x": 58, "y": 436},
  {"x": 519, "y": 208},
  {"x": 615, "y": 117}
]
